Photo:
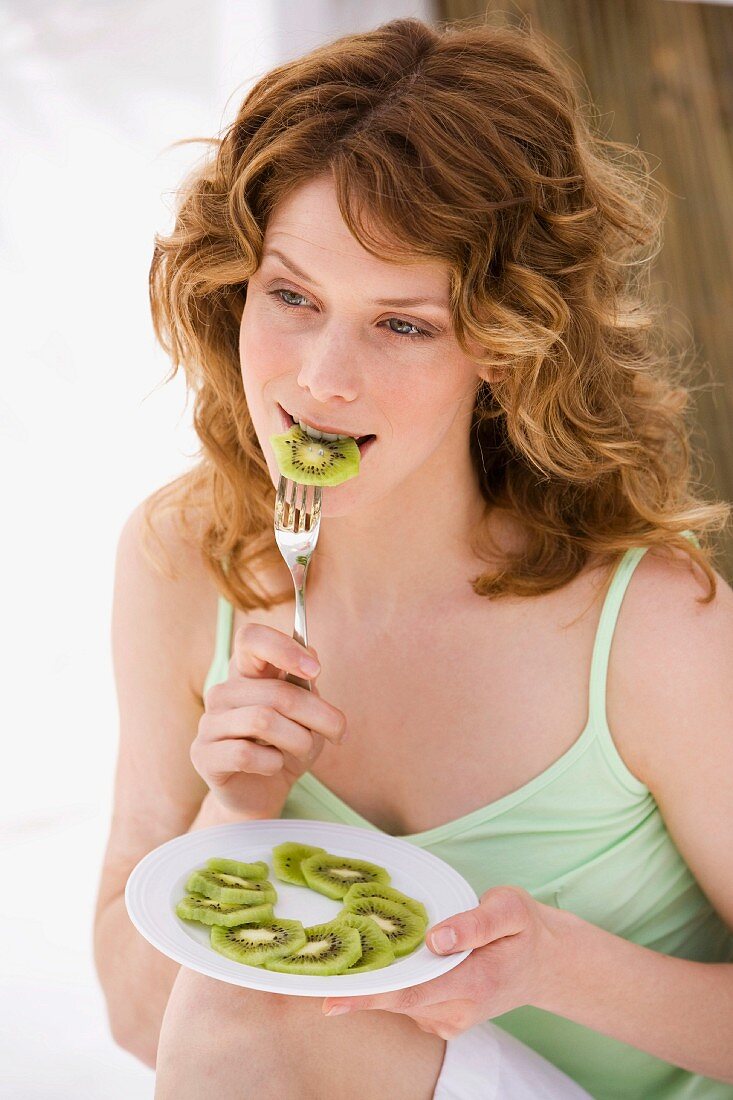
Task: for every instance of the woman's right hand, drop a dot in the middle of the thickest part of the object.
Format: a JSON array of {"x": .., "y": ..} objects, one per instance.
[{"x": 259, "y": 732}]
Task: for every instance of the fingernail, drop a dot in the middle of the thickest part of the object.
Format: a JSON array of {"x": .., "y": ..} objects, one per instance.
[
  {"x": 338, "y": 1010},
  {"x": 309, "y": 665},
  {"x": 444, "y": 939}
]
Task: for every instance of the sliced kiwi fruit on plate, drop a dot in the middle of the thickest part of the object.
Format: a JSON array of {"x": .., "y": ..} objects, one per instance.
[
  {"x": 315, "y": 461},
  {"x": 366, "y": 889},
  {"x": 255, "y": 944},
  {"x": 377, "y": 925},
  {"x": 200, "y": 908},
  {"x": 225, "y": 887},
  {"x": 330, "y": 948},
  {"x": 403, "y": 928},
  {"x": 376, "y": 950},
  {"x": 332, "y": 875},
  {"x": 257, "y": 871},
  {"x": 287, "y": 857}
]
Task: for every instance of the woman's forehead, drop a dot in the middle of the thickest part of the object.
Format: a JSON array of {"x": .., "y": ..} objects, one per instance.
[{"x": 308, "y": 225}]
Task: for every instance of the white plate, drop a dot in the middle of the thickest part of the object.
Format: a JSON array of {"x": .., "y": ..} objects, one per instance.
[{"x": 159, "y": 881}]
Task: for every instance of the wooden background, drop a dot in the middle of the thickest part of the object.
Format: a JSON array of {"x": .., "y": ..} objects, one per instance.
[{"x": 660, "y": 73}]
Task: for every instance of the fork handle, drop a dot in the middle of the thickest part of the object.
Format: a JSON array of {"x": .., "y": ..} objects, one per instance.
[{"x": 300, "y": 631}]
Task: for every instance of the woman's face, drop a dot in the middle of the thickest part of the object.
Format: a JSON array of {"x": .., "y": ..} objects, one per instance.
[{"x": 334, "y": 346}]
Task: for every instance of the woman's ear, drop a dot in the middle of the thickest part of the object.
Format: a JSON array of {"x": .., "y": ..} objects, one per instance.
[{"x": 491, "y": 374}]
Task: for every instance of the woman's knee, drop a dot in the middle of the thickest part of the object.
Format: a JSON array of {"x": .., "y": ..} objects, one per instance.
[{"x": 199, "y": 1003}]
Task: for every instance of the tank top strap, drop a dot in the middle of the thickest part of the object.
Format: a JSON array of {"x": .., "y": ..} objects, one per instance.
[
  {"x": 224, "y": 622},
  {"x": 219, "y": 667},
  {"x": 606, "y": 626}
]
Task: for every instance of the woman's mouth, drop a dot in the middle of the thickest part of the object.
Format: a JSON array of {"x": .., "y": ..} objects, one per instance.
[{"x": 363, "y": 442}]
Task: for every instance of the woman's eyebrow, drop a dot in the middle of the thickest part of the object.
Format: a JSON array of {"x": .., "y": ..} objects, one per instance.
[{"x": 377, "y": 301}]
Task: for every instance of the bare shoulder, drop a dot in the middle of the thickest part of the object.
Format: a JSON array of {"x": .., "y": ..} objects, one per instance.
[
  {"x": 671, "y": 664},
  {"x": 167, "y": 560}
]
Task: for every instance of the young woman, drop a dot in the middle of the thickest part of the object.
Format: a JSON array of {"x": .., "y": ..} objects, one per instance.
[{"x": 414, "y": 234}]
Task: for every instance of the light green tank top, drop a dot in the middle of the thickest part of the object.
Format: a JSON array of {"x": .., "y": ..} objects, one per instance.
[{"x": 587, "y": 836}]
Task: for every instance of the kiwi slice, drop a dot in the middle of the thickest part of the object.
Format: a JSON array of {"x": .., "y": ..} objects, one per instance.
[
  {"x": 207, "y": 911},
  {"x": 315, "y": 461},
  {"x": 224, "y": 887},
  {"x": 404, "y": 929},
  {"x": 255, "y": 871},
  {"x": 363, "y": 889},
  {"x": 330, "y": 948},
  {"x": 376, "y": 950},
  {"x": 287, "y": 857},
  {"x": 332, "y": 875},
  {"x": 252, "y": 944}
]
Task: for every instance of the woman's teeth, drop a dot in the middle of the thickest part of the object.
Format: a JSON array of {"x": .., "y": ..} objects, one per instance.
[{"x": 315, "y": 434}]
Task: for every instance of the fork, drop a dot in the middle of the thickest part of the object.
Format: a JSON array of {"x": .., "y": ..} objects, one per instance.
[{"x": 296, "y": 532}]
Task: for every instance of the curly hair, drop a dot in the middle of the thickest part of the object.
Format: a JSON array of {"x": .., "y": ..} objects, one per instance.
[{"x": 468, "y": 144}]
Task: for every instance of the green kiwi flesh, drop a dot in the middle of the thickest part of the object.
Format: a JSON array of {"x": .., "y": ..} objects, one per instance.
[
  {"x": 376, "y": 950},
  {"x": 254, "y": 944},
  {"x": 315, "y": 461},
  {"x": 287, "y": 858},
  {"x": 332, "y": 875},
  {"x": 225, "y": 887},
  {"x": 255, "y": 871},
  {"x": 207, "y": 911},
  {"x": 403, "y": 928},
  {"x": 364, "y": 889},
  {"x": 377, "y": 924},
  {"x": 331, "y": 948}
]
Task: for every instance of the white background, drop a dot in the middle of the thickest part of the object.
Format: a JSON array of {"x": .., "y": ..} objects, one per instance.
[{"x": 91, "y": 93}]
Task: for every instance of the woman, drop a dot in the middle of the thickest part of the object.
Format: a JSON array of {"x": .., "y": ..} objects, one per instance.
[{"x": 413, "y": 233}]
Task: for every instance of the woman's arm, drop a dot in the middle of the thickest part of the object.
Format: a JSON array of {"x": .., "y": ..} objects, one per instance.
[
  {"x": 680, "y": 676},
  {"x": 678, "y": 1010}
]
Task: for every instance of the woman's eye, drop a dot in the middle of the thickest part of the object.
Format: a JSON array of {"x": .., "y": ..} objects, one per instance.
[
  {"x": 291, "y": 292},
  {"x": 417, "y": 333},
  {"x": 403, "y": 326}
]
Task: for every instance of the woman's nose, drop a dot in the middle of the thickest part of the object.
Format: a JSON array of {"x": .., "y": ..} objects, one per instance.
[{"x": 329, "y": 372}]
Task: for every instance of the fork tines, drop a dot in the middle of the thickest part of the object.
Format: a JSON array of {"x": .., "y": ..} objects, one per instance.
[{"x": 291, "y": 506}]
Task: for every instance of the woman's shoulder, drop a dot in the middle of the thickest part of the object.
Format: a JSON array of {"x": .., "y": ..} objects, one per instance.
[
  {"x": 171, "y": 551},
  {"x": 667, "y": 595},
  {"x": 672, "y": 655}
]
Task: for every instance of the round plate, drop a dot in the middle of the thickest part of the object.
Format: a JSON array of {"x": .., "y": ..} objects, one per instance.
[{"x": 158, "y": 882}]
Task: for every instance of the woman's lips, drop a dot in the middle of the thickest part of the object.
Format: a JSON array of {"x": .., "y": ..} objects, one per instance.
[{"x": 287, "y": 422}]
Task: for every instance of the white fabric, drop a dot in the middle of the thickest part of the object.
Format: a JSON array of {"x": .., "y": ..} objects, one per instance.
[{"x": 486, "y": 1063}]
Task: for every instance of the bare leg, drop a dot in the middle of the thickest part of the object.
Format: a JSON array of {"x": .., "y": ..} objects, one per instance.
[{"x": 248, "y": 1043}]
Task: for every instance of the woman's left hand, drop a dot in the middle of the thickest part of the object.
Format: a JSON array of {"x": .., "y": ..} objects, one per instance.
[{"x": 515, "y": 942}]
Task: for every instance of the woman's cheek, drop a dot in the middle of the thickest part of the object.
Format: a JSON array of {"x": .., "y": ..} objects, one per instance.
[{"x": 262, "y": 352}]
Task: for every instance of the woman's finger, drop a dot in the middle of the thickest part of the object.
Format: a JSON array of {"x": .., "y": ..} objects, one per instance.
[
  {"x": 222, "y": 759},
  {"x": 262, "y": 722},
  {"x": 260, "y": 651}
]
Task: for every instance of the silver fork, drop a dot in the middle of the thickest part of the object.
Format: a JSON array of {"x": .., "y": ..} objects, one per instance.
[{"x": 297, "y": 523}]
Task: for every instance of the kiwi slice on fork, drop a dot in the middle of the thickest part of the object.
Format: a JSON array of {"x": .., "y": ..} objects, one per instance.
[{"x": 315, "y": 461}]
